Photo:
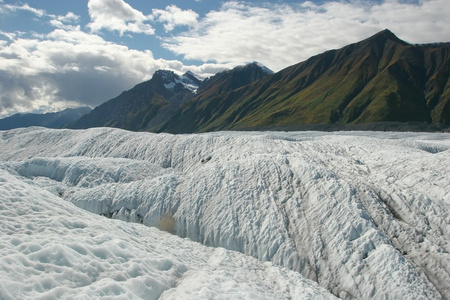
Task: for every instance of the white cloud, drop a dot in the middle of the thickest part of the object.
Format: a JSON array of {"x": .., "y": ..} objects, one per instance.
[
  {"x": 55, "y": 20},
  {"x": 281, "y": 35},
  {"x": 70, "y": 17},
  {"x": 72, "y": 68},
  {"x": 24, "y": 7},
  {"x": 173, "y": 16},
  {"x": 9, "y": 35},
  {"x": 117, "y": 15},
  {"x": 65, "y": 22},
  {"x": 68, "y": 67}
]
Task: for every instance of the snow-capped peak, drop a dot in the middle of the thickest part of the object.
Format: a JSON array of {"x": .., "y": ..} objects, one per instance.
[
  {"x": 191, "y": 81},
  {"x": 257, "y": 65},
  {"x": 171, "y": 80},
  {"x": 263, "y": 67}
]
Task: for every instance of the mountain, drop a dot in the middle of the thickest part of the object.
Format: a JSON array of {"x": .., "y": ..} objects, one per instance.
[
  {"x": 380, "y": 79},
  {"x": 144, "y": 106},
  {"x": 235, "y": 78},
  {"x": 366, "y": 215},
  {"x": 49, "y": 120},
  {"x": 149, "y": 105},
  {"x": 211, "y": 95},
  {"x": 379, "y": 83}
]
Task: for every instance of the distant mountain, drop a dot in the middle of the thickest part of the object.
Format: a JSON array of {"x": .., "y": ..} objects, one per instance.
[
  {"x": 380, "y": 79},
  {"x": 145, "y": 106},
  {"x": 150, "y": 105},
  {"x": 49, "y": 120}
]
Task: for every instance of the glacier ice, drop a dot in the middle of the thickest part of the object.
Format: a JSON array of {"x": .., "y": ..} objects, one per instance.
[
  {"x": 364, "y": 214},
  {"x": 51, "y": 249}
]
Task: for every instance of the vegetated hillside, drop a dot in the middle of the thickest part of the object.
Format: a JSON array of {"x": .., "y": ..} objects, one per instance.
[
  {"x": 364, "y": 214},
  {"x": 49, "y": 120},
  {"x": 149, "y": 105},
  {"x": 378, "y": 79}
]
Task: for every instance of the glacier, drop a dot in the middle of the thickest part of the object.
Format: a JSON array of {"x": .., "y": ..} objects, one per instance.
[{"x": 275, "y": 215}]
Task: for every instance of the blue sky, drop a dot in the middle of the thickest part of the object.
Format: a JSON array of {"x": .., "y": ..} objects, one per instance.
[{"x": 59, "y": 53}]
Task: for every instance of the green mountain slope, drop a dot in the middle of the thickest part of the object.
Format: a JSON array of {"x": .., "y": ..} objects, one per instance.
[{"x": 378, "y": 79}]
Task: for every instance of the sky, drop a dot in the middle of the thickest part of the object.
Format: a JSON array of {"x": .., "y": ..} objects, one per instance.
[{"x": 56, "y": 54}]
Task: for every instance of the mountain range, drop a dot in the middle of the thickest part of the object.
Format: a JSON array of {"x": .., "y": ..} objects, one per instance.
[
  {"x": 151, "y": 105},
  {"x": 49, "y": 120},
  {"x": 380, "y": 79},
  {"x": 381, "y": 82}
]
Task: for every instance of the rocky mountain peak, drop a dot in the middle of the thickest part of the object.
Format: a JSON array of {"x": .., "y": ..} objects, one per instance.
[
  {"x": 386, "y": 35},
  {"x": 174, "y": 82},
  {"x": 258, "y": 65}
]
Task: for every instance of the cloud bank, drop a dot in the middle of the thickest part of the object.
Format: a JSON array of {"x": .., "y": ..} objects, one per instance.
[{"x": 71, "y": 66}]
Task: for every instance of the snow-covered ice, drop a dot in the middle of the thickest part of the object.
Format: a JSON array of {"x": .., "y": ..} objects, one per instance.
[{"x": 364, "y": 214}]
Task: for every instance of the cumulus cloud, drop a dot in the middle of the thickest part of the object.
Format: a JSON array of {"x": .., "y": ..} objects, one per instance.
[
  {"x": 71, "y": 68},
  {"x": 173, "y": 16},
  {"x": 66, "y": 21},
  {"x": 279, "y": 35},
  {"x": 117, "y": 15},
  {"x": 70, "y": 17},
  {"x": 9, "y": 35},
  {"x": 68, "y": 67}
]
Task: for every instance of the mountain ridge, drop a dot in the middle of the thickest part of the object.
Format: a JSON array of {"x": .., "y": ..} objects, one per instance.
[
  {"x": 379, "y": 79},
  {"x": 149, "y": 105},
  {"x": 49, "y": 120},
  {"x": 134, "y": 109}
]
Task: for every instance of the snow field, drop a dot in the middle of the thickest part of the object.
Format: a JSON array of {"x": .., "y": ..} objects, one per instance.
[
  {"x": 51, "y": 249},
  {"x": 364, "y": 214}
]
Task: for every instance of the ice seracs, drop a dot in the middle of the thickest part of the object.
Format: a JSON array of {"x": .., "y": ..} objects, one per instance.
[
  {"x": 364, "y": 214},
  {"x": 51, "y": 249}
]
